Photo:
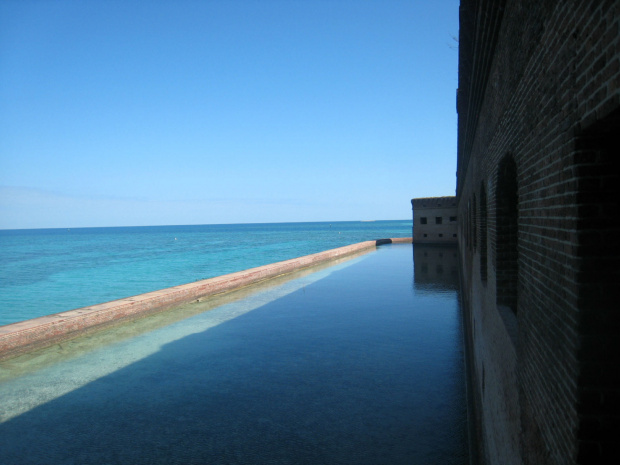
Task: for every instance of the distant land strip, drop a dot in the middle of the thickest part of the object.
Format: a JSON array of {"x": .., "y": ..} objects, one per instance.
[{"x": 25, "y": 336}]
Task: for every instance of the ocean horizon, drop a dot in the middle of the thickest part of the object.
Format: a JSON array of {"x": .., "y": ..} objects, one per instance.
[{"x": 50, "y": 270}]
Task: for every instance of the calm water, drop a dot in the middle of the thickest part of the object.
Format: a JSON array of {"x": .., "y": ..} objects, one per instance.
[
  {"x": 359, "y": 363},
  {"x": 47, "y": 271}
]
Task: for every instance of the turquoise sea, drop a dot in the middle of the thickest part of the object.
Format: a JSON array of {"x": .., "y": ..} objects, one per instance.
[{"x": 46, "y": 271}]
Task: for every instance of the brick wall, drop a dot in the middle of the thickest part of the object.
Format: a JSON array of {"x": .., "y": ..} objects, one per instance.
[
  {"x": 434, "y": 220},
  {"x": 544, "y": 95}
]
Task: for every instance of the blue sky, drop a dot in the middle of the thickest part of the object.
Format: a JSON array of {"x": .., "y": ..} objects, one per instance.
[{"x": 120, "y": 113}]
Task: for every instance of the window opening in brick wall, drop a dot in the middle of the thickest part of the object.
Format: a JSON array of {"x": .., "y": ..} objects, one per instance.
[
  {"x": 468, "y": 225},
  {"x": 597, "y": 165},
  {"x": 438, "y": 220},
  {"x": 507, "y": 213},
  {"x": 452, "y": 219},
  {"x": 474, "y": 215},
  {"x": 441, "y": 235},
  {"x": 425, "y": 235},
  {"x": 483, "y": 233},
  {"x": 423, "y": 220}
]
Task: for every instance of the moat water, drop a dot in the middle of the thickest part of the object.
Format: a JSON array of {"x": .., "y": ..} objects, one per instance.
[{"x": 357, "y": 363}]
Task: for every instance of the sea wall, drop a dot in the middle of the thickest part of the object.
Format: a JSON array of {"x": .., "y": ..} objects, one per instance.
[{"x": 24, "y": 336}]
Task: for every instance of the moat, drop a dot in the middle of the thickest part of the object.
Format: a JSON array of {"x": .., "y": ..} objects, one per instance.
[{"x": 360, "y": 362}]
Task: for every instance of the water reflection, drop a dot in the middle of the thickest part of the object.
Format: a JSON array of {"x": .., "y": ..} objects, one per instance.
[{"x": 435, "y": 267}]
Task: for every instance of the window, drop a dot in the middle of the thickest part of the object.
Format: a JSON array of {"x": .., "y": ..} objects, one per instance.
[
  {"x": 468, "y": 224},
  {"x": 506, "y": 258},
  {"x": 425, "y": 235},
  {"x": 453, "y": 235},
  {"x": 483, "y": 233},
  {"x": 598, "y": 236},
  {"x": 441, "y": 235},
  {"x": 423, "y": 220},
  {"x": 438, "y": 220},
  {"x": 452, "y": 219},
  {"x": 474, "y": 215}
]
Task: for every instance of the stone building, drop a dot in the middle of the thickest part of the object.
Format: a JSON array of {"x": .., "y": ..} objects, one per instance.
[
  {"x": 538, "y": 189},
  {"x": 434, "y": 220}
]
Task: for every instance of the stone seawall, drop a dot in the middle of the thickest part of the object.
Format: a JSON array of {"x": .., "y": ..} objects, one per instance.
[{"x": 24, "y": 336}]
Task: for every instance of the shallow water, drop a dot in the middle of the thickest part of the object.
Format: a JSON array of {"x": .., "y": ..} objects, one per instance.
[
  {"x": 48, "y": 271},
  {"x": 358, "y": 363}
]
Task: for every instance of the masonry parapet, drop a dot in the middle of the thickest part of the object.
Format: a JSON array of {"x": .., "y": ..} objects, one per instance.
[{"x": 25, "y": 336}]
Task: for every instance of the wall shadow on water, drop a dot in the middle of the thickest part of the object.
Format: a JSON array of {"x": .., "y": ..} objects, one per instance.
[
  {"x": 436, "y": 271},
  {"x": 317, "y": 376}
]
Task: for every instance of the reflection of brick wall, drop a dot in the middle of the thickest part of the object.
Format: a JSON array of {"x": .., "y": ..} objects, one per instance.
[
  {"x": 434, "y": 220},
  {"x": 435, "y": 266},
  {"x": 538, "y": 180}
]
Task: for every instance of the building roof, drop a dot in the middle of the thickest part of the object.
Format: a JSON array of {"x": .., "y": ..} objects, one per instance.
[{"x": 434, "y": 202}]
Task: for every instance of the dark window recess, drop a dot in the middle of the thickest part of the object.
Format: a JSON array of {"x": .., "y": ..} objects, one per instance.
[
  {"x": 507, "y": 253},
  {"x": 474, "y": 207},
  {"x": 598, "y": 171},
  {"x": 438, "y": 220},
  {"x": 483, "y": 233},
  {"x": 453, "y": 235},
  {"x": 441, "y": 235},
  {"x": 452, "y": 219},
  {"x": 425, "y": 235},
  {"x": 423, "y": 220}
]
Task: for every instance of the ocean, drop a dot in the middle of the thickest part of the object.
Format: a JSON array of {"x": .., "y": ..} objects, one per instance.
[{"x": 46, "y": 271}]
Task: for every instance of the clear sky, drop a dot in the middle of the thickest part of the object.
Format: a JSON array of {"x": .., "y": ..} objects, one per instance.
[{"x": 121, "y": 113}]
